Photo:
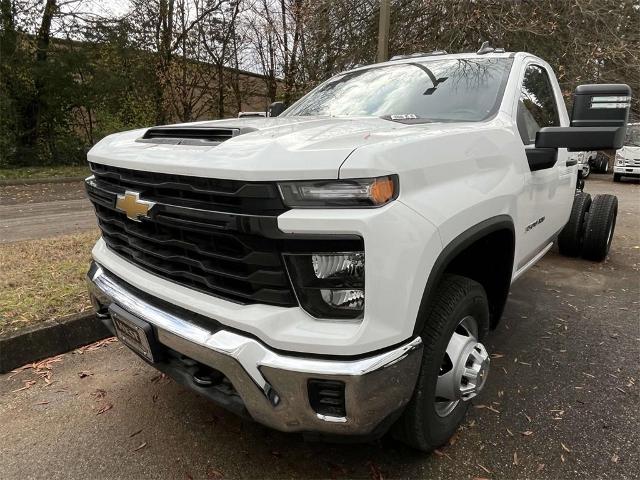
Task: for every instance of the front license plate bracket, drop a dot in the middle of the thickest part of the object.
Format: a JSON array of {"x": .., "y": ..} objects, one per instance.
[{"x": 135, "y": 333}]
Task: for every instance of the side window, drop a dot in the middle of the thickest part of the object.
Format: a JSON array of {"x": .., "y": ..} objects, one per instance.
[{"x": 537, "y": 105}]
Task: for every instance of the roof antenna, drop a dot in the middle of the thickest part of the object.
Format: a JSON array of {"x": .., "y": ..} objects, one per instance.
[{"x": 485, "y": 48}]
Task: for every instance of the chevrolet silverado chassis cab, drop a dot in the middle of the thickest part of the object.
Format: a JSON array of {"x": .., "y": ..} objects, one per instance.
[{"x": 333, "y": 270}]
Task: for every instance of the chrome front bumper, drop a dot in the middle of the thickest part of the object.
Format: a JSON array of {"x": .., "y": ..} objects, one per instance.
[{"x": 273, "y": 386}]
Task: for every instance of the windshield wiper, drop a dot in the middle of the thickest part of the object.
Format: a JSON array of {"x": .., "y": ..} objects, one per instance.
[
  {"x": 409, "y": 119},
  {"x": 432, "y": 77}
]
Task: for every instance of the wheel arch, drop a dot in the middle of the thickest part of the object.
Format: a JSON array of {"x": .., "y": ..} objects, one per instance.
[{"x": 460, "y": 257}]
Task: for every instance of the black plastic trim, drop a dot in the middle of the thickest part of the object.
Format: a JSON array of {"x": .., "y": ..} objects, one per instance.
[{"x": 448, "y": 254}]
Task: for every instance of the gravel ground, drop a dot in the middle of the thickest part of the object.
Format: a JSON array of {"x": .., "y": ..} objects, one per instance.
[{"x": 561, "y": 400}]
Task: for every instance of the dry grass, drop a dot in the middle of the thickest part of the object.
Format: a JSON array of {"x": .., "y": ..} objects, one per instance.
[{"x": 43, "y": 279}]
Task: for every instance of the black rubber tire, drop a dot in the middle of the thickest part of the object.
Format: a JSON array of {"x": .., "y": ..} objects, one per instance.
[
  {"x": 601, "y": 163},
  {"x": 572, "y": 235},
  {"x": 600, "y": 226},
  {"x": 419, "y": 426},
  {"x": 616, "y": 177}
]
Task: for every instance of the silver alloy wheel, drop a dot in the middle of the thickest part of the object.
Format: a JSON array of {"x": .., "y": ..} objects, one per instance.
[{"x": 464, "y": 368}]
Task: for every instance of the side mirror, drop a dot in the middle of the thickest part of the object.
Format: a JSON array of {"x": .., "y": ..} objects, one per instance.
[
  {"x": 276, "y": 108},
  {"x": 598, "y": 120}
]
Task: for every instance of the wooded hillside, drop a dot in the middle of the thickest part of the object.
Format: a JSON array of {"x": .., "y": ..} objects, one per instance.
[{"x": 70, "y": 75}]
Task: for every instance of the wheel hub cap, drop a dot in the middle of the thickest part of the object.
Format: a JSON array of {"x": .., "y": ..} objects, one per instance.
[{"x": 464, "y": 370}]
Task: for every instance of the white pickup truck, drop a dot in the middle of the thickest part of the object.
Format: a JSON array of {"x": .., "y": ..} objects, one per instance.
[{"x": 332, "y": 270}]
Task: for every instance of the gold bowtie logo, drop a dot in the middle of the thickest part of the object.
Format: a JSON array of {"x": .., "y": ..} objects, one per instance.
[{"x": 131, "y": 204}]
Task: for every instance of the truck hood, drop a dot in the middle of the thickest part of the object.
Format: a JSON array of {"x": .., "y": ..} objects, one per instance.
[
  {"x": 630, "y": 152},
  {"x": 285, "y": 148}
]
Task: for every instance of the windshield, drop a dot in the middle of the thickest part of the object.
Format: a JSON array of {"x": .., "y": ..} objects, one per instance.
[
  {"x": 465, "y": 89},
  {"x": 633, "y": 135}
]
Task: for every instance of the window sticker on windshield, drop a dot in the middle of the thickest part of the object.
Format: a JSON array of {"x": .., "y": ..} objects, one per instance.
[{"x": 404, "y": 116}]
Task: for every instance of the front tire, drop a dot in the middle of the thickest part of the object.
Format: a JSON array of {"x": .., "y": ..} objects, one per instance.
[
  {"x": 454, "y": 364},
  {"x": 601, "y": 223},
  {"x": 616, "y": 177}
]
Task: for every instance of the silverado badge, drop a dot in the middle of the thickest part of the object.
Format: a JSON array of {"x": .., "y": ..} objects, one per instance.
[{"x": 131, "y": 204}]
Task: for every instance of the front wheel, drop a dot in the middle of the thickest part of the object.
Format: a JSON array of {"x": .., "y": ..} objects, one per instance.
[
  {"x": 616, "y": 177},
  {"x": 454, "y": 365}
]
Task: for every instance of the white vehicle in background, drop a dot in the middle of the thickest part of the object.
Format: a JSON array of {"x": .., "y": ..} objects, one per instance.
[
  {"x": 333, "y": 270},
  {"x": 627, "y": 163},
  {"x": 584, "y": 160},
  {"x": 252, "y": 114}
]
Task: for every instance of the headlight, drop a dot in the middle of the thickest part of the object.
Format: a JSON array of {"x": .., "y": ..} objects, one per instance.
[
  {"x": 329, "y": 285},
  {"x": 360, "y": 192}
]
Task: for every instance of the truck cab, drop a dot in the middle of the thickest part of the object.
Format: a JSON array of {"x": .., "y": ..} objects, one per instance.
[
  {"x": 627, "y": 160},
  {"x": 333, "y": 270}
]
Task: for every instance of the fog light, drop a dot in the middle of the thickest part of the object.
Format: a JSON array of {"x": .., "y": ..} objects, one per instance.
[
  {"x": 351, "y": 299},
  {"x": 329, "y": 285}
]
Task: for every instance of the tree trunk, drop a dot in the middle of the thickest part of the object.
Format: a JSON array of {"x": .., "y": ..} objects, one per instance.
[
  {"x": 34, "y": 107},
  {"x": 220, "y": 73}
]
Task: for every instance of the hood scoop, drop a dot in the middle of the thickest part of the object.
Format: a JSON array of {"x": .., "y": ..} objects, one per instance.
[{"x": 206, "y": 136}]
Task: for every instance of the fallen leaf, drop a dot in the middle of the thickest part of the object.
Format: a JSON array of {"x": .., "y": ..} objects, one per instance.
[
  {"x": 515, "y": 458},
  {"x": 540, "y": 467},
  {"x": 510, "y": 432},
  {"x": 213, "y": 474},
  {"x": 485, "y": 469},
  {"x": 527, "y": 433},
  {"x": 84, "y": 374},
  {"x": 488, "y": 407},
  {"x": 135, "y": 433},
  {"x": 106, "y": 408},
  {"x": 564, "y": 447},
  {"x": 276, "y": 454},
  {"x": 98, "y": 393},
  {"x": 140, "y": 447},
  {"x": 27, "y": 384},
  {"x": 374, "y": 472},
  {"x": 615, "y": 458}
]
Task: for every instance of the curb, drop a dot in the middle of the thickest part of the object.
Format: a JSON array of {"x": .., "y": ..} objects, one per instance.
[
  {"x": 35, "y": 181},
  {"x": 50, "y": 338}
]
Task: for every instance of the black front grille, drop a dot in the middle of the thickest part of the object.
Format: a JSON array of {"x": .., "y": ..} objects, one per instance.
[{"x": 194, "y": 235}]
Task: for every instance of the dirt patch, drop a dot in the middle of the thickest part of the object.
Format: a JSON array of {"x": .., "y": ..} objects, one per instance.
[
  {"x": 44, "y": 172},
  {"x": 42, "y": 192}
]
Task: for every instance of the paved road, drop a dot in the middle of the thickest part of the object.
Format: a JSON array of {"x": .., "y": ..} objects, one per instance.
[
  {"x": 563, "y": 391},
  {"x": 38, "y": 211}
]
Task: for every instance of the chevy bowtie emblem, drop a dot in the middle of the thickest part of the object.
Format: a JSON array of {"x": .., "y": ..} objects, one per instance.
[{"x": 131, "y": 204}]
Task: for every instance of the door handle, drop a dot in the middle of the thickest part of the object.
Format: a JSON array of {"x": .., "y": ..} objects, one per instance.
[{"x": 571, "y": 163}]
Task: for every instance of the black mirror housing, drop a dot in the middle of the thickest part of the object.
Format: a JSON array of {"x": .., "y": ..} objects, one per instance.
[
  {"x": 276, "y": 108},
  {"x": 604, "y": 105},
  {"x": 598, "y": 120},
  {"x": 581, "y": 139}
]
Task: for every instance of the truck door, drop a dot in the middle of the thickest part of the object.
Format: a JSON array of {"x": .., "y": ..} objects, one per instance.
[{"x": 545, "y": 201}]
